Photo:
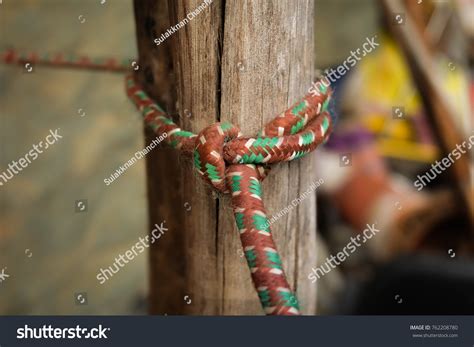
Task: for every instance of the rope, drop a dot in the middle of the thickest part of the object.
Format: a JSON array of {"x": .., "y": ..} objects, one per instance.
[
  {"x": 231, "y": 163},
  {"x": 235, "y": 164},
  {"x": 10, "y": 56}
]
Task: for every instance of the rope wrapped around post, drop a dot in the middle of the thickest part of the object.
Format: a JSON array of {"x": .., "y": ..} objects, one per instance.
[{"x": 235, "y": 164}]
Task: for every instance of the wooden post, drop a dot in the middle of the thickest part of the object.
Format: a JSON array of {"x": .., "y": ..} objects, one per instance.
[{"x": 244, "y": 62}]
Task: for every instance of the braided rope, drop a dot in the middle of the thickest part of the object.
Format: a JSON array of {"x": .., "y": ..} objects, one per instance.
[
  {"x": 10, "y": 56},
  {"x": 231, "y": 164},
  {"x": 236, "y": 164}
]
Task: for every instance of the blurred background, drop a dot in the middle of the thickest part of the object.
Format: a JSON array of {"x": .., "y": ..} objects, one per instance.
[
  {"x": 38, "y": 206},
  {"x": 393, "y": 125}
]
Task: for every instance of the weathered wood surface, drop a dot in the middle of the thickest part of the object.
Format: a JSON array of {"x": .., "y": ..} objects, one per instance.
[
  {"x": 244, "y": 63},
  {"x": 164, "y": 182}
]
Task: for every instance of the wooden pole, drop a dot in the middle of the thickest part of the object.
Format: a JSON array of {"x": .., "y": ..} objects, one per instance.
[{"x": 244, "y": 62}]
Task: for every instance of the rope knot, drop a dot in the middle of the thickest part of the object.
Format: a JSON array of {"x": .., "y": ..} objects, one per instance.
[
  {"x": 236, "y": 164},
  {"x": 209, "y": 153}
]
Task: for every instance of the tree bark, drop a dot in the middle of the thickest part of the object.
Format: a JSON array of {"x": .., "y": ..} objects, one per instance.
[{"x": 243, "y": 62}]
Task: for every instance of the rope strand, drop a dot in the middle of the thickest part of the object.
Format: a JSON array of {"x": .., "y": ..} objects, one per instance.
[{"x": 11, "y": 56}]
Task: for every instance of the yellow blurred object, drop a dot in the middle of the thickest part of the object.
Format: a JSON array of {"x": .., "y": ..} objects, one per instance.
[
  {"x": 408, "y": 150},
  {"x": 397, "y": 138},
  {"x": 386, "y": 67}
]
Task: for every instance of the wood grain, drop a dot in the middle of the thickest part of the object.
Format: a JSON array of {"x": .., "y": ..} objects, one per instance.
[
  {"x": 196, "y": 57},
  {"x": 267, "y": 65},
  {"x": 164, "y": 182}
]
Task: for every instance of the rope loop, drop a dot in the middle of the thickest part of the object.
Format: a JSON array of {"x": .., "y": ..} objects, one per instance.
[
  {"x": 208, "y": 153},
  {"x": 237, "y": 165}
]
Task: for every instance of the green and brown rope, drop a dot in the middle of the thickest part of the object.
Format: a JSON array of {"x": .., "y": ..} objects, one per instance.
[
  {"x": 232, "y": 164},
  {"x": 235, "y": 164},
  {"x": 11, "y": 56}
]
